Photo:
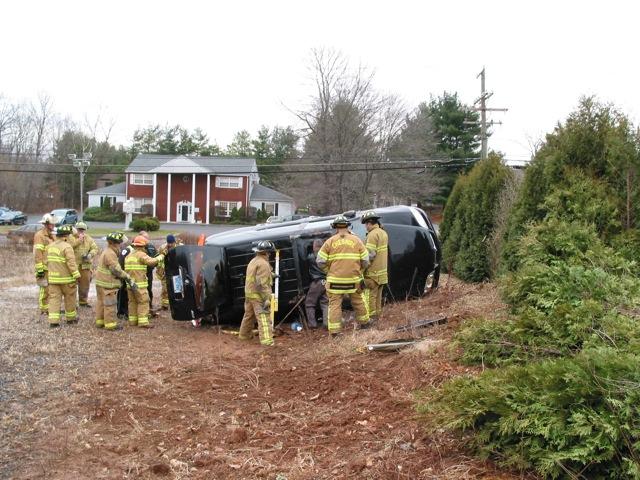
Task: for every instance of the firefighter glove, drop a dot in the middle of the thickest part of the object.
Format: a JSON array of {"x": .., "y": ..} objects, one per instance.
[
  {"x": 134, "y": 286},
  {"x": 267, "y": 304}
]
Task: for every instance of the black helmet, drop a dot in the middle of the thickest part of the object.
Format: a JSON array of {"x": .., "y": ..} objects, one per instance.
[
  {"x": 340, "y": 221},
  {"x": 369, "y": 215},
  {"x": 115, "y": 237},
  {"x": 63, "y": 230},
  {"x": 264, "y": 246}
]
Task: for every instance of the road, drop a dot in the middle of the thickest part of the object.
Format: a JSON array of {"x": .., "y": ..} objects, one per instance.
[{"x": 178, "y": 227}]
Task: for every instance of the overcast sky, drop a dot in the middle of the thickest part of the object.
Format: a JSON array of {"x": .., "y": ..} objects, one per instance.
[{"x": 231, "y": 65}]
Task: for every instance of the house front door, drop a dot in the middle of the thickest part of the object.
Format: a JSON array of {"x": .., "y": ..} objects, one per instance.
[{"x": 185, "y": 212}]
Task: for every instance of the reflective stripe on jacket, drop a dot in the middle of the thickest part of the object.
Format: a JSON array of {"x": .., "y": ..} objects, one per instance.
[
  {"x": 87, "y": 246},
  {"x": 61, "y": 263},
  {"x": 259, "y": 278},
  {"x": 136, "y": 263},
  {"x": 378, "y": 247},
  {"x": 343, "y": 257},
  {"x": 109, "y": 272},
  {"x": 41, "y": 240}
]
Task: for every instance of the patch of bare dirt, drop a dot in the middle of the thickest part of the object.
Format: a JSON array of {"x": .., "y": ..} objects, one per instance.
[{"x": 178, "y": 402}]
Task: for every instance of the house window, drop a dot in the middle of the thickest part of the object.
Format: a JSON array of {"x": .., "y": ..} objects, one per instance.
[
  {"x": 229, "y": 182},
  {"x": 139, "y": 202},
  {"x": 223, "y": 209},
  {"x": 141, "y": 179},
  {"x": 270, "y": 207}
]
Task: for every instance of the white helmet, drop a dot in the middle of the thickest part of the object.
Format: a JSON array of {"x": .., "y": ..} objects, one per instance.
[{"x": 48, "y": 218}]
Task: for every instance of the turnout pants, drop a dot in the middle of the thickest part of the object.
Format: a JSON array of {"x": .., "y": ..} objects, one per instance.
[
  {"x": 43, "y": 294},
  {"x": 316, "y": 294},
  {"x": 59, "y": 294},
  {"x": 335, "y": 309},
  {"x": 106, "y": 308},
  {"x": 164, "y": 297},
  {"x": 138, "y": 307},
  {"x": 373, "y": 296},
  {"x": 254, "y": 312},
  {"x": 83, "y": 286}
]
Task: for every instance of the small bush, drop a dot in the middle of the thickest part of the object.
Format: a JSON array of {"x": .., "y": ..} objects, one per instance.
[
  {"x": 98, "y": 214},
  {"x": 238, "y": 216},
  {"x": 150, "y": 224},
  {"x": 261, "y": 216}
]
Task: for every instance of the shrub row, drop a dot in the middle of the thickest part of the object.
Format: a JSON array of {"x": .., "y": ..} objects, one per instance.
[{"x": 150, "y": 224}]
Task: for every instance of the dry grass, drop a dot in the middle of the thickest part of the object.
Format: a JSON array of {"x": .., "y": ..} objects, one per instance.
[{"x": 184, "y": 403}]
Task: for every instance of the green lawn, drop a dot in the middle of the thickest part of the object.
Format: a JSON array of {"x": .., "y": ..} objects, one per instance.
[{"x": 101, "y": 232}]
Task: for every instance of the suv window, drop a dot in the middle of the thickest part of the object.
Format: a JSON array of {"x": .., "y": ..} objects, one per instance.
[{"x": 399, "y": 218}]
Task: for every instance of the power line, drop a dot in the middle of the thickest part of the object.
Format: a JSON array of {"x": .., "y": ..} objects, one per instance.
[
  {"x": 395, "y": 160},
  {"x": 373, "y": 168}
]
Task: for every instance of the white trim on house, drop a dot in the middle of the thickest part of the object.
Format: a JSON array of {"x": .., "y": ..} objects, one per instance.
[
  {"x": 193, "y": 196},
  {"x": 228, "y": 206},
  {"x": 169, "y": 198},
  {"x": 208, "y": 196},
  {"x": 190, "y": 211},
  {"x": 141, "y": 179},
  {"x": 155, "y": 183},
  {"x": 228, "y": 182}
]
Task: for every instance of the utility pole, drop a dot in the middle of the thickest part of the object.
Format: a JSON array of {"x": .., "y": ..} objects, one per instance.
[
  {"x": 82, "y": 164},
  {"x": 483, "y": 109}
]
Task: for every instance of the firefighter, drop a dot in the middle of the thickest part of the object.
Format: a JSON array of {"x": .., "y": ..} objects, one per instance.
[
  {"x": 136, "y": 264},
  {"x": 257, "y": 295},
  {"x": 317, "y": 293},
  {"x": 343, "y": 257},
  {"x": 150, "y": 250},
  {"x": 109, "y": 276},
  {"x": 63, "y": 274},
  {"x": 375, "y": 276},
  {"x": 160, "y": 273},
  {"x": 41, "y": 241},
  {"x": 85, "y": 250}
]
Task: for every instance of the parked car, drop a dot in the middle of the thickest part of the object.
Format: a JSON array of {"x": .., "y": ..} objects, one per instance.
[
  {"x": 23, "y": 235},
  {"x": 66, "y": 216},
  {"x": 12, "y": 217},
  {"x": 209, "y": 280}
]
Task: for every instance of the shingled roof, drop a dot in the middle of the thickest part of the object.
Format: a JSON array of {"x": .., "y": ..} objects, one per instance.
[
  {"x": 156, "y": 163},
  {"x": 262, "y": 193},
  {"x": 116, "y": 189}
]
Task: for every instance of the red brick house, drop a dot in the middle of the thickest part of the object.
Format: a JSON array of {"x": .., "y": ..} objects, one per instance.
[{"x": 194, "y": 189}]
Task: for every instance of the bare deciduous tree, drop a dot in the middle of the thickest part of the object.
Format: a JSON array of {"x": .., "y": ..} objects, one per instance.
[{"x": 348, "y": 128}]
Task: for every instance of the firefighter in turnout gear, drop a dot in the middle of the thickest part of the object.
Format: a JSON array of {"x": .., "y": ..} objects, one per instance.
[
  {"x": 63, "y": 274},
  {"x": 41, "y": 240},
  {"x": 135, "y": 264},
  {"x": 85, "y": 250},
  {"x": 344, "y": 257},
  {"x": 160, "y": 273},
  {"x": 108, "y": 278},
  {"x": 257, "y": 295},
  {"x": 375, "y": 276}
]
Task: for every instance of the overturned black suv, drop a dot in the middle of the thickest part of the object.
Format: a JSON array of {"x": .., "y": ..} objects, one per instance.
[{"x": 209, "y": 280}]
